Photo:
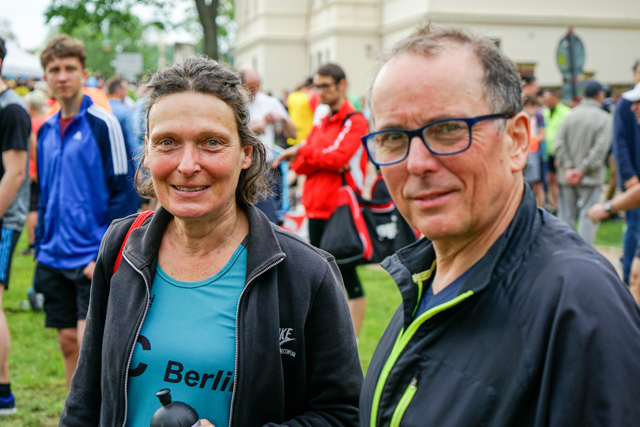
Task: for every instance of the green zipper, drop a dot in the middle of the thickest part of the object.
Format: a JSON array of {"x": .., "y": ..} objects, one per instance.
[
  {"x": 401, "y": 342},
  {"x": 404, "y": 403},
  {"x": 419, "y": 279}
]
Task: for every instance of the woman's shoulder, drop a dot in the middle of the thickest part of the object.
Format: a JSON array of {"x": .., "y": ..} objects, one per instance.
[{"x": 298, "y": 246}]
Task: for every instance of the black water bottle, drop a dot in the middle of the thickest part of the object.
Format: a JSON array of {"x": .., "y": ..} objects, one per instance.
[{"x": 174, "y": 414}]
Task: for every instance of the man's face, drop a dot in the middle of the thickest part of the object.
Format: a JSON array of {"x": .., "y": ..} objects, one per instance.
[
  {"x": 253, "y": 84},
  {"x": 550, "y": 100},
  {"x": 445, "y": 197},
  {"x": 635, "y": 107},
  {"x": 328, "y": 89},
  {"x": 65, "y": 77},
  {"x": 531, "y": 89}
]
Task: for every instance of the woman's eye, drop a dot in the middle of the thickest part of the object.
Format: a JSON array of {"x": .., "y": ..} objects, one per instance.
[{"x": 166, "y": 143}]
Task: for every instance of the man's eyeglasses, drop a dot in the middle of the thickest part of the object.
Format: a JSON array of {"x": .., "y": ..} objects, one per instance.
[
  {"x": 442, "y": 137},
  {"x": 324, "y": 86}
]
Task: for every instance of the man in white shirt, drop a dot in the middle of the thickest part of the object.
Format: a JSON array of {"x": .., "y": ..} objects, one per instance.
[{"x": 266, "y": 113}]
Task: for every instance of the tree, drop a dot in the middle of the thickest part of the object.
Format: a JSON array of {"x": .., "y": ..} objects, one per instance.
[{"x": 101, "y": 15}]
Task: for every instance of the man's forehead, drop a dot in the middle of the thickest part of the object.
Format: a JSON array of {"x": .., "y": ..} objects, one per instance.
[{"x": 445, "y": 84}]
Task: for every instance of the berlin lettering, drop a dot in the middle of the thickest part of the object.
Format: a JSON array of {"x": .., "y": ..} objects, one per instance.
[{"x": 173, "y": 374}]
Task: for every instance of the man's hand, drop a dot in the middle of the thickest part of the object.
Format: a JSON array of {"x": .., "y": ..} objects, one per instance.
[
  {"x": 88, "y": 270},
  {"x": 273, "y": 117},
  {"x": 597, "y": 213},
  {"x": 289, "y": 154},
  {"x": 573, "y": 176},
  {"x": 631, "y": 182},
  {"x": 205, "y": 423}
]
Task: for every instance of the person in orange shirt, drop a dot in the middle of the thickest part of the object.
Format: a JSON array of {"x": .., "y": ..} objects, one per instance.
[
  {"x": 99, "y": 98},
  {"x": 533, "y": 171}
]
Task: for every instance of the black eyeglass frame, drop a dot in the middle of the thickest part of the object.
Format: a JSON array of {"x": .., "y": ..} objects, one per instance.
[{"x": 420, "y": 133}]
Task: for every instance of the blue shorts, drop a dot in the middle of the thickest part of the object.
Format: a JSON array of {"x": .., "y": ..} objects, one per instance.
[{"x": 8, "y": 243}]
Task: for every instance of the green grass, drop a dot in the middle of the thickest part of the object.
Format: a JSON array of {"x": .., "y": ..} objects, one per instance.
[
  {"x": 37, "y": 374},
  {"x": 610, "y": 233}
]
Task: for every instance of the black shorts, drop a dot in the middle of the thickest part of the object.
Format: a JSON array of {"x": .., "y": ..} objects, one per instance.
[
  {"x": 350, "y": 278},
  {"x": 66, "y": 295},
  {"x": 8, "y": 243},
  {"x": 552, "y": 164},
  {"x": 35, "y": 193}
]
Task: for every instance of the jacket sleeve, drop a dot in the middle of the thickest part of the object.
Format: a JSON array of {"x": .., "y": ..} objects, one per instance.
[
  {"x": 592, "y": 370},
  {"x": 623, "y": 138},
  {"x": 599, "y": 150},
  {"x": 563, "y": 157},
  {"x": 82, "y": 406},
  {"x": 334, "y": 374},
  {"x": 337, "y": 155}
]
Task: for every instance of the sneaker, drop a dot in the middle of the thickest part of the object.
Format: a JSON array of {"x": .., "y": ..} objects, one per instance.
[{"x": 8, "y": 405}]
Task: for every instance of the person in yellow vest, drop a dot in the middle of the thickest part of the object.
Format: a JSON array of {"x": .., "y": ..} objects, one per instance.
[
  {"x": 553, "y": 114},
  {"x": 301, "y": 111}
]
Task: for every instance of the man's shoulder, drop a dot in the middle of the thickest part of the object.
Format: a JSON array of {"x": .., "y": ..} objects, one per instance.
[
  {"x": 10, "y": 97},
  {"x": 102, "y": 122}
]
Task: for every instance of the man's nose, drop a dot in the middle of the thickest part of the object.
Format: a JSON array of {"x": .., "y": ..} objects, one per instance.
[
  {"x": 189, "y": 161},
  {"x": 420, "y": 160}
]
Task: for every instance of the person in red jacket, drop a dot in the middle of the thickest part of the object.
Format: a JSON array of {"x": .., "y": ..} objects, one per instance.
[{"x": 332, "y": 150}]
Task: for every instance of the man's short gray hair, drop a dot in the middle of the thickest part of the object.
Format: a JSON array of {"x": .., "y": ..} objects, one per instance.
[{"x": 502, "y": 82}]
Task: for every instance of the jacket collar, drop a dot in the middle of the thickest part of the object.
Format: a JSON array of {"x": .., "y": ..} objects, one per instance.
[
  {"x": 263, "y": 248},
  {"x": 341, "y": 114},
  {"x": 87, "y": 102},
  {"x": 497, "y": 262},
  {"x": 590, "y": 102}
]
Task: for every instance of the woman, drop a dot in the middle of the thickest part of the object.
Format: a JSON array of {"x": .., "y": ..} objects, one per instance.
[{"x": 240, "y": 319}]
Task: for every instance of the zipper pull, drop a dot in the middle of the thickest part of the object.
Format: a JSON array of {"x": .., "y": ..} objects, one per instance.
[{"x": 414, "y": 383}]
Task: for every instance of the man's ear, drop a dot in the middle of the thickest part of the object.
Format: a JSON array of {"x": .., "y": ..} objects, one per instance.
[
  {"x": 518, "y": 133},
  {"x": 342, "y": 85}
]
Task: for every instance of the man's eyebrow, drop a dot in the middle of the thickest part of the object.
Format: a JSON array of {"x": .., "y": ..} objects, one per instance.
[{"x": 395, "y": 126}]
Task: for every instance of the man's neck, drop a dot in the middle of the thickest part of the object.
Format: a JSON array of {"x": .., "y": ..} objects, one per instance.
[
  {"x": 336, "y": 105},
  {"x": 71, "y": 106},
  {"x": 457, "y": 256}
]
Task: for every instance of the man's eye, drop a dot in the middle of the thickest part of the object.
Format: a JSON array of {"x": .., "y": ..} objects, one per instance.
[
  {"x": 166, "y": 143},
  {"x": 212, "y": 143}
]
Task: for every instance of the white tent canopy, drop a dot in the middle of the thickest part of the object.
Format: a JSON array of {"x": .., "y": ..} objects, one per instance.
[{"x": 19, "y": 62}]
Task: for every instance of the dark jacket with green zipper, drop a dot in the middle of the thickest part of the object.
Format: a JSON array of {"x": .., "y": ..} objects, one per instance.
[
  {"x": 542, "y": 333},
  {"x": 311, "y": 380}
]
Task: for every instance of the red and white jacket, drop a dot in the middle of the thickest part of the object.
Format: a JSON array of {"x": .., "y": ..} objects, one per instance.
[{"x": 329, "y": 147}]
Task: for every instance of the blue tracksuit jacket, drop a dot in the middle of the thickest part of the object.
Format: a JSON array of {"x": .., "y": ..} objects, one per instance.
[{"x": 86, "y": 181}]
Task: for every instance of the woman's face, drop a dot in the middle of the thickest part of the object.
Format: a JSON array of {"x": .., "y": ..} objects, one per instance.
[{"x": 194, "y": 154}]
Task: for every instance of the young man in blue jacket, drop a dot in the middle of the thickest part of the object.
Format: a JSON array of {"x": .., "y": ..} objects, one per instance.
[
  {"x": 85, "y": 182},
  {"x": 508, "y": 317}
]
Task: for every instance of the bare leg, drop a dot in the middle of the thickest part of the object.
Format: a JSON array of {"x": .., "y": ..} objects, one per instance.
[
  {"x": 32, "y": 221},
  {"x": 554, "y": 190},
  {"x": 634, "y": 280},
  {"x": 4, "y": 343},
  {"x": 357, "y": 307},
  {"x": 68, "y": 340},
  {"x": 538, "y": 191}
]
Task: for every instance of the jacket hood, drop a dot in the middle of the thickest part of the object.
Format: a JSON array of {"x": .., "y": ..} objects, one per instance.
[
  {"x": 143, "y": 243},
  {"x": 492, "y": 267}
]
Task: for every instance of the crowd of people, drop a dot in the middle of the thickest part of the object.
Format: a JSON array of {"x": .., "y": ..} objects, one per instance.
[{"x": 156, "y": 229}]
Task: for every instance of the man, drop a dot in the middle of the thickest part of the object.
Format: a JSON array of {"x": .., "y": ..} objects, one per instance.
[
  {"x": 508, "y": 317},
  {"x": 581, "y": 146},
  {"x": 266, "y": 112},
  {"x": 117, "y": 92},
  {"x": 626, "y": 201},
  {"x": 626, "y": 150},
  {"x": 332, "y": 155},
  {"x": 554, "y": 114},
  {"x": 15, "y": 131},
  {"x": 301, "y": 108},
  {"x": 85, "y": 182}
]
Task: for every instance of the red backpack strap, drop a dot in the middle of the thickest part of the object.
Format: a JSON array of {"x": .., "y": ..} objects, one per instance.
[{"x": 137, "y": 223}]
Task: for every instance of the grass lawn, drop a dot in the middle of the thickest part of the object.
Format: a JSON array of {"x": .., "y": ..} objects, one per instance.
[{"x": 37, "y": 375}]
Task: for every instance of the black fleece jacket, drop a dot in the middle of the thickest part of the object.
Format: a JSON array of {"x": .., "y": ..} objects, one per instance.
[
  {"x": 542, "y": 333},
  {"x": 312, "y": 380}
]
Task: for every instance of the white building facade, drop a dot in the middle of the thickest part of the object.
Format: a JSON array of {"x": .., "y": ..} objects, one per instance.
[{"x": 286, "y": 40}]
